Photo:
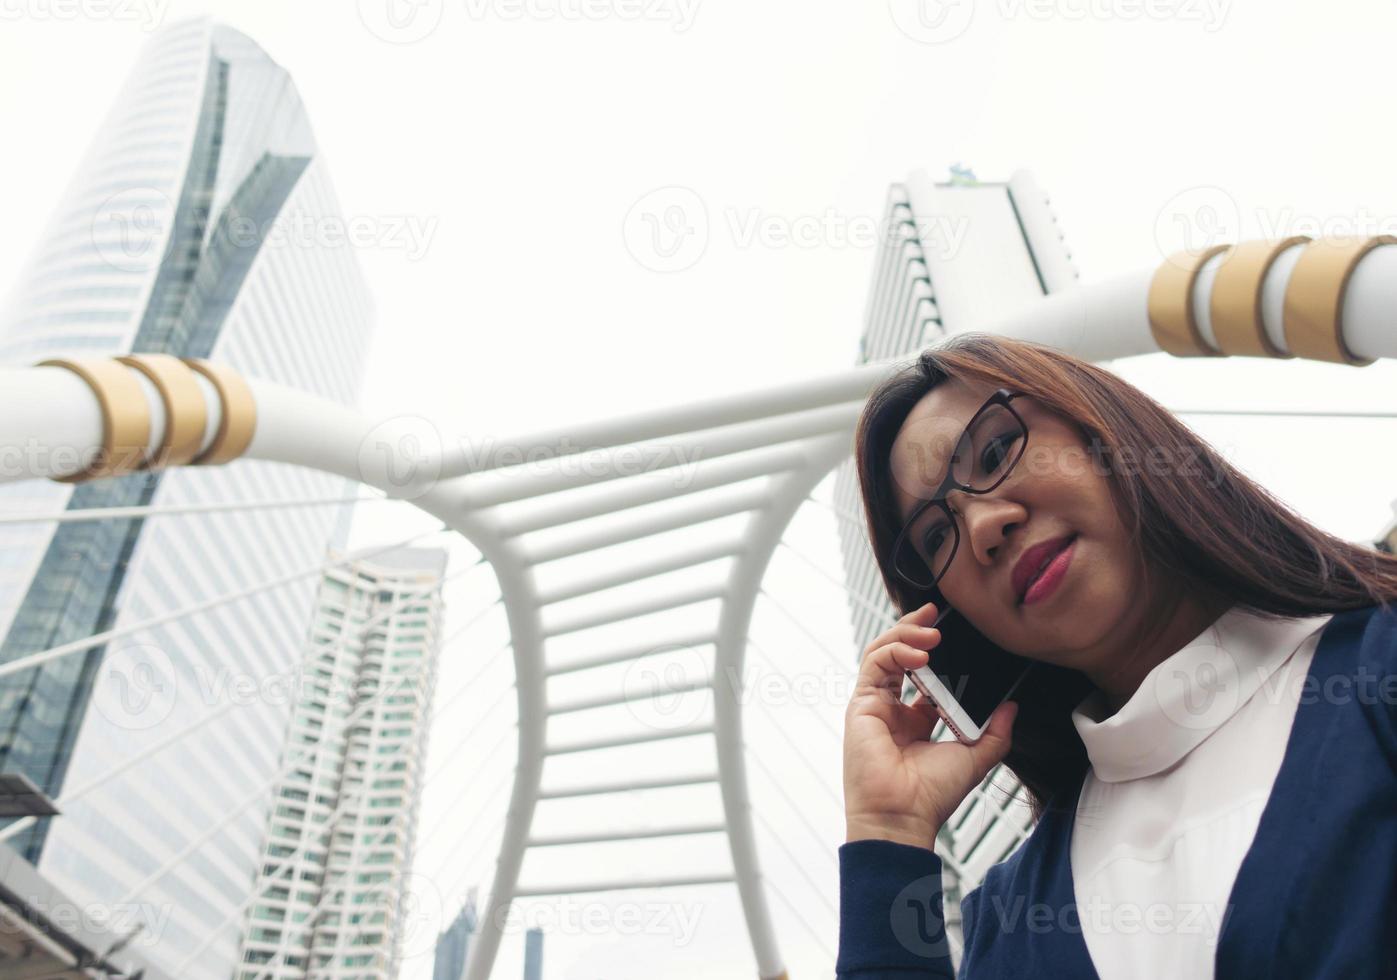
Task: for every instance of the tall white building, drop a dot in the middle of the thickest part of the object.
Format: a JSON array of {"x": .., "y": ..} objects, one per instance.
[
  {"x": 330, "y": 896},
  {"x": 949, "y": 252},
  {"x": 190, "y": 228}
]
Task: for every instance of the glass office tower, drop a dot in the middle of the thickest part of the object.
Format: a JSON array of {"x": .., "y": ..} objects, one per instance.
[{"x": 189, "y": 228}]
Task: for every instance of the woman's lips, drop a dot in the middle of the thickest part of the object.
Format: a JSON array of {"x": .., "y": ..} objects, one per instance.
[{"x": 1051, "y": 575}]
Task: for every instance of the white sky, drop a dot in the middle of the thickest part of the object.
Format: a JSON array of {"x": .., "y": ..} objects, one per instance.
[{"x": 516, "y": 137}]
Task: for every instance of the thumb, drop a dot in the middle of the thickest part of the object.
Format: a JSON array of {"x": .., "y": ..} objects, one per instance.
[{"x": 994, "y": 745}]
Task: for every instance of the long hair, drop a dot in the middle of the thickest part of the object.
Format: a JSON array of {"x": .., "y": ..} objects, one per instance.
[{"x": 1204, "y": 529}]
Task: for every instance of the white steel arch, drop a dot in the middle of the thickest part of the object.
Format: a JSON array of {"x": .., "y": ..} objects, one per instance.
[{"x": 1329, "y": 300}]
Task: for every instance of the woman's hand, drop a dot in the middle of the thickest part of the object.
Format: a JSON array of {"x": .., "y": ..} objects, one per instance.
[{"x": 898, "y": 785}]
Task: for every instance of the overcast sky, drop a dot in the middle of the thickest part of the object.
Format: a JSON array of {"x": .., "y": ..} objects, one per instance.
[{"x": 512, "y": 141}]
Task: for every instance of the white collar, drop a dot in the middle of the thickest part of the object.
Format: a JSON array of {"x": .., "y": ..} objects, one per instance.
[{"x": 1189, "y": 694}]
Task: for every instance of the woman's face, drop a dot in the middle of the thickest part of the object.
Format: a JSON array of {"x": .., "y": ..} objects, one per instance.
[{"x": 1056, "y": 489}]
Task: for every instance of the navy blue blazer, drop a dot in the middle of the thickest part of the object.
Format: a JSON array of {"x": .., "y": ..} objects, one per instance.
[{"x": 1315, "y": 896}]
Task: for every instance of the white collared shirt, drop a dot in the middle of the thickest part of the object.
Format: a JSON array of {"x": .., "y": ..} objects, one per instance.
[{"x": 1179, "y": 777}]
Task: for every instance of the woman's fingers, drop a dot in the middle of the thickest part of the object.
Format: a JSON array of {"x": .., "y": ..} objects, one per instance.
[
  {"x": 883, "y": 668},
  {"x": 921, "y": 719},
  {"x": 908, "y": 629},
  {"x": 902, "y": 647}
]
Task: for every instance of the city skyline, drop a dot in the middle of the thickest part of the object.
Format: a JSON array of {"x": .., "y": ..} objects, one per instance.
[{"x": 764, "y": 308}]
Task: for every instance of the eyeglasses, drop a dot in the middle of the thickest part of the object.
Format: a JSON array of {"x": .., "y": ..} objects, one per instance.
[{"x": 986, "y": 451}]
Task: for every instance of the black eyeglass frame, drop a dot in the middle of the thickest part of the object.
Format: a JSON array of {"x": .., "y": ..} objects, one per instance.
[{"x": 1001, "y": 396}]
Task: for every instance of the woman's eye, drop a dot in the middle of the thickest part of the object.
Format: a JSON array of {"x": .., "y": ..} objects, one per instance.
[
  {"x": 997, "y": 451},
  {"x": 933, "y": 539}
]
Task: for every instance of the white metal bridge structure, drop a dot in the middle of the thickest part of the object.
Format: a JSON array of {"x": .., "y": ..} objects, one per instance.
[{"x": 759, "y": 456}]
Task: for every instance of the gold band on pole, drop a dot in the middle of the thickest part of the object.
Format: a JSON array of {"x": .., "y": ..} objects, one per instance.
[
  {"x": 1234, "y": 307},
  {"x": 1314, "y": 298},
  {"x": 1170, "y": 304},
  {"x": 237, "y": 422},
  {"x": 125, "y": 416},
  {"x": 186, "y": 415}
]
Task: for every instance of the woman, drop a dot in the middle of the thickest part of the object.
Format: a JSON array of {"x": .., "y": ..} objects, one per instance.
[{"x": 1208, "y": 735}]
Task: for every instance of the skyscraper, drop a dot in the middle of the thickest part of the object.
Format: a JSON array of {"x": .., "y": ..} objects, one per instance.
[
  {"x": 948, "y": 251},
  {"x": 330, "y": 896},
  {"x": 454, "y": 944},
  {"x": 533, "y": 954},
  {"x": 188, "y": 229}
]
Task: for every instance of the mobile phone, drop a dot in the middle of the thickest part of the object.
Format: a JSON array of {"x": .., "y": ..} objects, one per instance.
[{"x": 967, "y": 678}]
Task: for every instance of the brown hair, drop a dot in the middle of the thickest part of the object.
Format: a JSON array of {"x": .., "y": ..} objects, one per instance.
[{"x": 1205, "y": 529}]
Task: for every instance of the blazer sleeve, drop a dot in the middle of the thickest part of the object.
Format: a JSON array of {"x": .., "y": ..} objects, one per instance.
[{"x": 891, "y": 920}]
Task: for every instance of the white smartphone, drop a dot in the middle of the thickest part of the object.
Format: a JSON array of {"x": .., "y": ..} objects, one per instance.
[{"x": 967, "y": 681}]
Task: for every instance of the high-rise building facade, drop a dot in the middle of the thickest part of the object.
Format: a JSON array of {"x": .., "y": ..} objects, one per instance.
[
  {"x": 330, "y": 899},
  {"x": 921, "y": 288},
  {"x": 191, "y": 229}
]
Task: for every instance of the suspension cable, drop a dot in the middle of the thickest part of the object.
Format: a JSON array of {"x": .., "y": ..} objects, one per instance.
[
  {"x": 171, "y": 510},
  {"x": 305, "y": 750},
  {"x": 882, "y": 614},
  {"x": 97, "y": 639},
  {"x": 208, "y": 719}
]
